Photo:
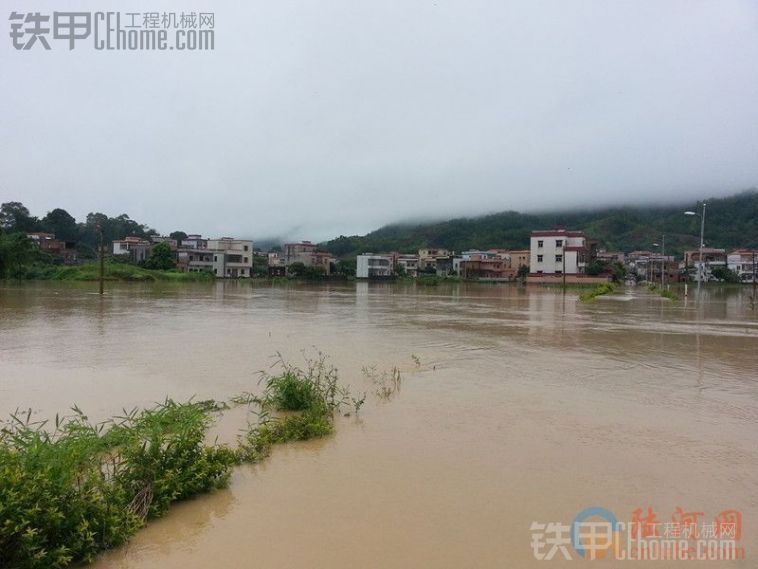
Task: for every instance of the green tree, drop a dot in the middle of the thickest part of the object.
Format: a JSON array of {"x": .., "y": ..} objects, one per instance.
[
  {"x": 16, "y": 253},
  {"x": 260, "y": 265},
  {"x": 725, "y": 274},
  {"x": 14, "y": 216},
  {"x": 345, "y": 268},
  {"x": 178, "y": 235},
  {"x": 62, "y": 224},
  {"x": 301, "y": 271},
  {"x": 161, "y": 258}
]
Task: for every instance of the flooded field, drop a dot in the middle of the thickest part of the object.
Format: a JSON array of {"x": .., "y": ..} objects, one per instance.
[{"x": 516, "y": 406}]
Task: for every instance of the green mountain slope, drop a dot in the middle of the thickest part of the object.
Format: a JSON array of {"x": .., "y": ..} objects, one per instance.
[{"x": 730, "y": 222}]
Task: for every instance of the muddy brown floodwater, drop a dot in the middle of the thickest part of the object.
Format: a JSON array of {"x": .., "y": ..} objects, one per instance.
[{"x": 528, "y": 406}]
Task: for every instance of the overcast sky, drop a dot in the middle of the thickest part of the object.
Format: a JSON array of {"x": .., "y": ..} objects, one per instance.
[{"x": 312, "y": 119}]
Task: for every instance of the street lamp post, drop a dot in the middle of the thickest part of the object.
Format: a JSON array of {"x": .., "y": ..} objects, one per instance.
[{"x": 700, "y": 271}]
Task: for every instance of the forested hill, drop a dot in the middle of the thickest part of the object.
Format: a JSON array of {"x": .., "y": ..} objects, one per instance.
[{"x": 730, "y": 222}]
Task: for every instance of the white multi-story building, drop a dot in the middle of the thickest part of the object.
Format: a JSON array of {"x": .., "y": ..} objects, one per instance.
[
  {"x": 744, "y": 262},
  {"x": 557, "y": 252},
  {"x": 195, "y": 241},
  {"x": 370, "y": 266},
  {"x": 232, "y": 258},
  {"x": 560, "y": 255},
  {"x": 137, "y": 248}
]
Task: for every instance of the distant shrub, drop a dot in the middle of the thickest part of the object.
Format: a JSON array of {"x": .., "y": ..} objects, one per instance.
[{"x": 605, "y": 288}]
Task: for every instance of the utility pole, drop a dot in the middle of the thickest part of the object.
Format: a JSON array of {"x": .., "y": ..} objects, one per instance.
[
  {"x": 663, "y": 261},
  {"x": 102, "y": 257},
  {"x": 702, "y": 263},
  {"x": 563, "y": 272},
  {"x": 753, "y": 277}
]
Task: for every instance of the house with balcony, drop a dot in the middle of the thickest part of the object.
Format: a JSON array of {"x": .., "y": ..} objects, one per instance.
[
  {"x": 194, "y": 241},
  {"x": 232, "y": 258},
  {"x": 744, "y": 262},
  {"x": 560, "y": 255},
  {"x": 136, "y": 248},
  {"x": 409, "y": 263},
  {"x": 427, "y": 258},
  {"x": 308, "y": 254},
  {"x": 371, "y": 266},
  {"x": 697, "y": 267}
]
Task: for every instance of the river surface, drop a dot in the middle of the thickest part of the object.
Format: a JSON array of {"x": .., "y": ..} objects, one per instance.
[{"x": 515, "y": 406}]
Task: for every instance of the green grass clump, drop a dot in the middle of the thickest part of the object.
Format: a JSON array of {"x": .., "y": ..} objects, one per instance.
[
  {"x": 305, "y": 400},
  {"x": 665, "y": 293},
  {"x": 69, "y": 493},
  {"x": 599, "y": 290},
  {"x": 428, "y": 280},
  {"x": 115, "y": 271}
]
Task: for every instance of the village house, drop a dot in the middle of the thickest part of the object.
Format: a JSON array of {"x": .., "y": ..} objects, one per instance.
[
  {"x": 648, "y": 266},
  {"x": 611, "y": 256},
  {"x": 156, "y": 239},
  {"x": 712, "y": 258},
  {"x": 519, "y": 258},
  {"x": 371, "y": 266},
  {"x": 493, "y": 264},
  {"x": 65, "y": 252},
  {"x": 194, "y": 241},
  {"x": 409, "y": 263},
  {"x": 308, "y": 254},
  {"x": 744, "y": 262},
  {"x": 276, "y": 266},
  {"x": 136, "y": 248},
  {"x": 232, "y": 258},
  {"x": 427, "y": 258},
  {"x": 560, "y": 255}
]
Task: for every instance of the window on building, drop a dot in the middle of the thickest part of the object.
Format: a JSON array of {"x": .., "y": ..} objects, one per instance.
[
  {"x": 245, "y": 247},
  {"x": 559, "y": 242},
  {"x": 559, "y": 258},
  {"x": 215, "y": 257},
  {"x": 558, "y": 272},
  {"x": 246, "y": 259},
  {"x": 540, "y": 243},
  {"x": 539, "y": 258}
]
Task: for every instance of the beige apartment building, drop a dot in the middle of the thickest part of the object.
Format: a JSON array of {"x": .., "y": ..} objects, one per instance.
[
  {"x": 232, "y": 258},
  {"x": 308, "y": 254}
]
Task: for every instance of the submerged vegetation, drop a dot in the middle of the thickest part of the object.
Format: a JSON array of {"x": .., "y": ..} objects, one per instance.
[
  {"x": 664, "y": 292},
  {"x": 73, "y": 489},
  {"x": 116, "y": 271},
  {"x": 599, "y": 290}
]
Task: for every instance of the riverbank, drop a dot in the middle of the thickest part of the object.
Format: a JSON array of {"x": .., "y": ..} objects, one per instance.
[{"x": 113, "y": 271}]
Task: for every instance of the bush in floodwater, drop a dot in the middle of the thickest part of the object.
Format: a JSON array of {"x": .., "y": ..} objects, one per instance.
[
  {"x": 308, "y": 398},
  {"x": 69, "y": 493},
  {"x": 665, "y": 293},
  {"x": 605, "y": 288},
  {"x": 428, "y": 280}
]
